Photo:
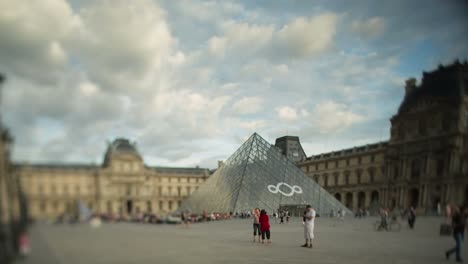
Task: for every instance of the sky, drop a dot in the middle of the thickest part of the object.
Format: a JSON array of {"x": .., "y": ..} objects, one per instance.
[{"x": 190, "y": 81}]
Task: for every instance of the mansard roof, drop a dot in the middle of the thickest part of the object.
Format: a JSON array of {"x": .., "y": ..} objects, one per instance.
[
  {"x": 444, "y": 83},
  {"x": 175, "y": 170}
]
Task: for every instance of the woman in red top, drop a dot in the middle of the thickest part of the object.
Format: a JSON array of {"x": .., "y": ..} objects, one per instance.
[{"x": 264, "y": 226}]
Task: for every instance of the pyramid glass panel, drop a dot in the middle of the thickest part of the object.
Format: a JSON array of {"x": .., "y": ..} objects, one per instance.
[{"x": 258, "y": 175}]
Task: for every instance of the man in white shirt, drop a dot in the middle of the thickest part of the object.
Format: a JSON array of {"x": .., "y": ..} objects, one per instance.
[{"x": 309, "y": 226}]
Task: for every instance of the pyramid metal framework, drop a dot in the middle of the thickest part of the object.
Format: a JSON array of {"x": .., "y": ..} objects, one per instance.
[{"x": 258, "y": 175}]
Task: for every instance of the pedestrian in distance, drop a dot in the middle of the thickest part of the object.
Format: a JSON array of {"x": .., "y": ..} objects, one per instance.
[
  {"x": 256, "y": 224},
  {"x": 458, "y": 225},
  {"x": 309, "y": 226},
  {"x": 411, "y": 217},
  {"x": 265, "y": 226},
  {"x": 287, "y": 216},
  {"x": 282, "y": 217}
]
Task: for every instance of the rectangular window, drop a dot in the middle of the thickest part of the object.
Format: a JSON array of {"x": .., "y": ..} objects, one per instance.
[
  {"x": 326, "y": 165},
  {"x": 179, "y": 191},
  {"x": 336, "y": 164},
  {"x": 170, "y": 205},
  {"x": 159, "y": 190},
  {"x": 160, "y": 205},
  {"x": 169, "y": 190},
  {"x": 347, "y": 162},
  {"x": 179, "y": 203},
  {"x": 359, "y": 160},
  {"x": 372, "y": 158},
  {"x": 188, "y": 190}
]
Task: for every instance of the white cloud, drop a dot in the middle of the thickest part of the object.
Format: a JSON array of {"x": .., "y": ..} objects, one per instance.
[
  {"x": 248, "y": 105},
  {"x": 369, "y": 28},
  {"x": 88, "y": 88},
  {"x": 331, "y": 117},
  {"x": 217, "y": 46},
  {"x": 287, "y": 114},
  {"x": 282, "y": 68},
  {"x": 252, "y": 126},
  {"x": 305, "y": 37},
  {"x": 301, "y": 38}
]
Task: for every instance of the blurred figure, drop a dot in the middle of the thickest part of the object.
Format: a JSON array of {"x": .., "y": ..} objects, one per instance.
[
  {"x": 24, "y": 244},
  {"x": 411, "y": 217},
  {"x": 458, "y": 224},
  {"x": 186, "y": 218},
  {"x": 309, "y": 226},
  {"x": 287, "y": 216},
  {"x": 256, "y": 223},
  {"x": 264, "y": 226}
]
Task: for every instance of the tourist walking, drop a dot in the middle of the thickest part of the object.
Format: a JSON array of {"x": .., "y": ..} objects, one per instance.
[
  {"x": 458, "y": 224},
  {"x": 309, "y": 226},
  {"x": 265, "y": 226},
  {"x": 287, "y": 216},
  {"x": 282, "y": 217},
  {"x": 256, "y": 224},
  {"x": 411, "y": 217}
]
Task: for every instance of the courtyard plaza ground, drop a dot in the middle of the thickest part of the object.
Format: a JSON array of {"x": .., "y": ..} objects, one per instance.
[{"x": 230, "y": 241}]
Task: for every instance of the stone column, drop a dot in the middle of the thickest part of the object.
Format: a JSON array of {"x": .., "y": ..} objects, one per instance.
[
  {"x": 355, "y": 200},
  {"x": 422, "y": 190},
  {"x": 368, "y": 199}
]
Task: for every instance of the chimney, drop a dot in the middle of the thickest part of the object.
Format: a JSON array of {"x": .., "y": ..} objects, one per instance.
[{"x": 410, "y": 85}]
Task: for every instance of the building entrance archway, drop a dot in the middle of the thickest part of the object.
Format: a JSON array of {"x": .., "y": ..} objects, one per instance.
[
  {"x": 375, "y": 196},
  {"x": 362, "y": 200},
  {"x": 129, "y": 206},
  {"x": 413, "y": 197},
  {"x": 349, "y": 200},
  {"x": 338, "y": 196}
]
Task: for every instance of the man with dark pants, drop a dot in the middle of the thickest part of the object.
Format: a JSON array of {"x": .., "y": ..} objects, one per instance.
[
  {"x": 411, "y": 217},
  {"x": 458, "y": 224}
]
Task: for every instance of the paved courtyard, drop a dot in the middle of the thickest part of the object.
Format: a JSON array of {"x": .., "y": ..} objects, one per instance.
[{"x": 351, "y": 241}]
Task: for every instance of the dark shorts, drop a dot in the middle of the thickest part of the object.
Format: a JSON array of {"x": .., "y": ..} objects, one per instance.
[{"x": 256, "y": 229}]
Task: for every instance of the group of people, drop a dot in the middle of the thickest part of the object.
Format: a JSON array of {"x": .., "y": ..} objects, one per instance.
[
  {"x": 261, "y": 225},
  {"x": 281, "y": 214}
]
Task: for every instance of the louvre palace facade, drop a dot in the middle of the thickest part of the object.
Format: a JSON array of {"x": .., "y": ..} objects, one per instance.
[
  {"x": 122, "y": 185},
  {"x": 423, "y": 164}
]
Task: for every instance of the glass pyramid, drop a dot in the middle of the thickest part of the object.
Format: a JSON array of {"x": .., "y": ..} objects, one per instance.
[{"x": 258, "y": 175}]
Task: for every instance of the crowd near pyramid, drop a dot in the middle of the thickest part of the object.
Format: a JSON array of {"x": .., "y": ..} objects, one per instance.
[{"x": 259, "y": 175}]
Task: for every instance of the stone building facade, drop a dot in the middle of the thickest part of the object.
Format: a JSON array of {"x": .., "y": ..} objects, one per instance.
[
  {"x": 423, "y": 164},
  {"x": 122, "y": 185},
  {"x": 354, "y": 176}
]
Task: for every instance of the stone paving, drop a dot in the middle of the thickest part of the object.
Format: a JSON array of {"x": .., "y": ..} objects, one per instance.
[{"x": 350, "y": 241}]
